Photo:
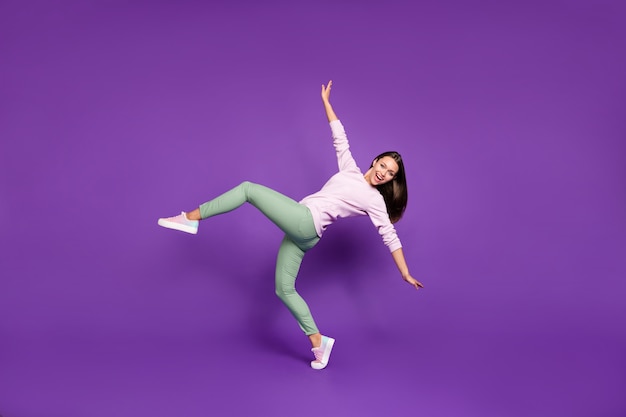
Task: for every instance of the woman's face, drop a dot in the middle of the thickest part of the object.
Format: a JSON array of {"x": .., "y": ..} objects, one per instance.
[{"x": 383, "y": 171}]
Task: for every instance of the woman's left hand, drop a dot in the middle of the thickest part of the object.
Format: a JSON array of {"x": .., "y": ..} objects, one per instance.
[
  {"x": 413, "y": 282},
  {"x": 326, "y": 91}
]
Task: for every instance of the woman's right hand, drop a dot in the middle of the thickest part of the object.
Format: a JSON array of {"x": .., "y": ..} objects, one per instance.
[{"x": 326, "y": 91}]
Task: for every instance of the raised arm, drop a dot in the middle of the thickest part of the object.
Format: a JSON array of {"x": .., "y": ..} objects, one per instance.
[
  {"x": 398, "y": 257},
  {"x": 326, "y": 100}
]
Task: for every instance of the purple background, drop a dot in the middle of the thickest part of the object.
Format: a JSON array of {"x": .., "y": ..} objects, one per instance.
[{"x": 510, "y": 117}]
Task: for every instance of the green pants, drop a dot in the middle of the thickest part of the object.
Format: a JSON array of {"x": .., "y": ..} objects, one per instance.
[{"x": 292, "y": 218}]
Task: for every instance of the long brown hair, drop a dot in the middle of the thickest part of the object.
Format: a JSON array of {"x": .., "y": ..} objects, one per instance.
[{"x": 394, "y": 192}]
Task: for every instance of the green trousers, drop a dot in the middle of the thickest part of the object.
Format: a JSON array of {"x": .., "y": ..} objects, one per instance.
[{"x": 292, "y": 218}]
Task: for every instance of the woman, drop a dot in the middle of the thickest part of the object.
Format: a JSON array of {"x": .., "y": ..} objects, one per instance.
[{"x": 380, "y": 193}]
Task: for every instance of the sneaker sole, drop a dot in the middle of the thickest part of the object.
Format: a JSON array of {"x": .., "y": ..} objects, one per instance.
[
  {"x": 177, "y": 226},
  {"x": 326, "y": 357}
]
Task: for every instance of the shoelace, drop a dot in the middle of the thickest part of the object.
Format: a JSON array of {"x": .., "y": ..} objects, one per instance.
[{"x": 319, "y": 354}]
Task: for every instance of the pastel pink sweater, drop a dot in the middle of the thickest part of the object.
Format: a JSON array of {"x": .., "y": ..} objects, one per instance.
[{"x": 347, "y": 194}]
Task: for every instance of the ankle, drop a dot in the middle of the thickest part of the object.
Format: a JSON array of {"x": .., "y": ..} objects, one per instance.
[
  {"x": 316, "y": 340},
  {"x": 193, "y": 215}
]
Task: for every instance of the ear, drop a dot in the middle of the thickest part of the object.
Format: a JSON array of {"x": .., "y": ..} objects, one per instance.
[{"x": 374, "y": 162}]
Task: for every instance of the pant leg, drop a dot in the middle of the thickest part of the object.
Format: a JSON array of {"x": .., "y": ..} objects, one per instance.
[
  {"x": 291, "y": 217},
  {"x": 287, "y": 266},
  {"x": 300, "y": 235}
]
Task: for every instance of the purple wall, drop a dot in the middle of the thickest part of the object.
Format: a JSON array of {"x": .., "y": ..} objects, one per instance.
[{"x": 510, "y": 118}]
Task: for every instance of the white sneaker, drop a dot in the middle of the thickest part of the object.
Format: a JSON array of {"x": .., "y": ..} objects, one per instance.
[
  {"x": 181, "y": 223},
  {"x": 322, "y": 353}
]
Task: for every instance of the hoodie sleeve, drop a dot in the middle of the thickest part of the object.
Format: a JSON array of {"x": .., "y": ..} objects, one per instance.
[
  {"x": 342, "y": 147},
  {"x": 379, "y": 217}
]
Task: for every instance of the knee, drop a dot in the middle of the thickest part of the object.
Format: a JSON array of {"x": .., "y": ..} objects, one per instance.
[
  {"x": 280, "y": 293},
  {"x": 246, "y": 186},
  {"x": 284, "y": 293}
]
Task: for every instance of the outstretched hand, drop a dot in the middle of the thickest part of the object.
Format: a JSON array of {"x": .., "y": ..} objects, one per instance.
[
  {"x": 326, "y": 91},
  {"x": 413, "y": 282}
]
